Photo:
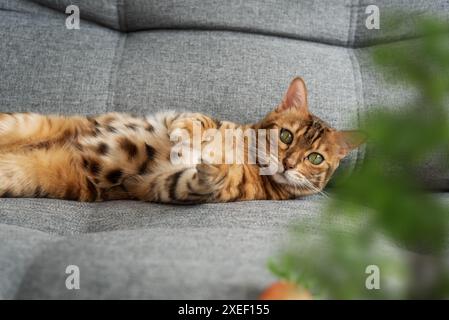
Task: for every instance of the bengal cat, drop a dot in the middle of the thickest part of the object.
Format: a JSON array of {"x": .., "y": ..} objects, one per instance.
[{"x": 121, "y": 156}]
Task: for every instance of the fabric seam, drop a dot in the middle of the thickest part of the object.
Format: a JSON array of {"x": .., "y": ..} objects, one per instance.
[{"x": 360, "y": 99}]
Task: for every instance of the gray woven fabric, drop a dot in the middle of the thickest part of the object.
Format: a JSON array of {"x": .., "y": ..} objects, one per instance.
[
  {"x": 104, "y": 12},
  {"x": 47, "y": 68},
  {"x": 409, "y": 10},
  {"x": 340, "y": 22},
  {"x": 232, "y": 61},
  {"x": 140, "y": 250},
  {"x": 234, "y": 76}
]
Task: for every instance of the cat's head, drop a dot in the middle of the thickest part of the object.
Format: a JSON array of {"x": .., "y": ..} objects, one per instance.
[{"x": 309, "y": 150}]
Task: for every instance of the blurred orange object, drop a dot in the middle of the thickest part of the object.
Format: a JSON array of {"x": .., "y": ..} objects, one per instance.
[{"x": 283, "y": 290}]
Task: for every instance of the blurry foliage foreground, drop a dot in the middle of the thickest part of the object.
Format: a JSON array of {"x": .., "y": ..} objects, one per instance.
[{"x": 405, "y": 229}]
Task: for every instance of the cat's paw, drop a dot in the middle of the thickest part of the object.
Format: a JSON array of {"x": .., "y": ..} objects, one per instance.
[{"x": 210, "y": 176}]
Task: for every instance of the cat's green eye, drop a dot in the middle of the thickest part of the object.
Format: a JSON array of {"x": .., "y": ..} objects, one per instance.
[
  {"x": 286, "y": 136},
  {"x": 315, "y": 158}
]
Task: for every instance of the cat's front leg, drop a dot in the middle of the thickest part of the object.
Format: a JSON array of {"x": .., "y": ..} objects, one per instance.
[
  {"x": 196, "y": 185},
  {"x": 183, "y": 185}
]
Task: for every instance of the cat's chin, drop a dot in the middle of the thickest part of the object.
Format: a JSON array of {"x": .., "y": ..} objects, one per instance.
[
  {"x": 280, "y": 178},
  {"x": 290, "y": 178},
  {"x": 286, "y": 178}
]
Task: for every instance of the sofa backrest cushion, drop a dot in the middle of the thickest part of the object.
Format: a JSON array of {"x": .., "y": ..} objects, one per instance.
[{"x": 341, "y": 22}]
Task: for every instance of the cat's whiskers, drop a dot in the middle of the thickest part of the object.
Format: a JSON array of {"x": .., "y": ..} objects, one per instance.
[{"x": 307, "y": 183}]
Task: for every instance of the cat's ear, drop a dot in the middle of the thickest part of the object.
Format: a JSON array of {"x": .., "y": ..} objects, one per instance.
[
  {"x": 295, "y": 97},
  {"x": 348, "y": 140}
]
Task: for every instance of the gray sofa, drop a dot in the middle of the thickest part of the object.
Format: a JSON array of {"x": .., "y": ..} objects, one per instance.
[{"x": 231, "y": 59}]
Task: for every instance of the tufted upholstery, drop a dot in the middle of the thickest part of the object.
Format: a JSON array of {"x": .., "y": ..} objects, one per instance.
[
  {"x": 231, "y": 59},
  {"x": 339, "y": 22}
]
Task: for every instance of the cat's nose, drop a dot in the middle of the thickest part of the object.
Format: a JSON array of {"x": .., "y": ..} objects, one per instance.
[{"x": 288, "y": 163}]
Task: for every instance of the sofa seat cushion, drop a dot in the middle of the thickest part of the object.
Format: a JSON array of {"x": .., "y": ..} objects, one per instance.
[{"x": 128, "y": 249}]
